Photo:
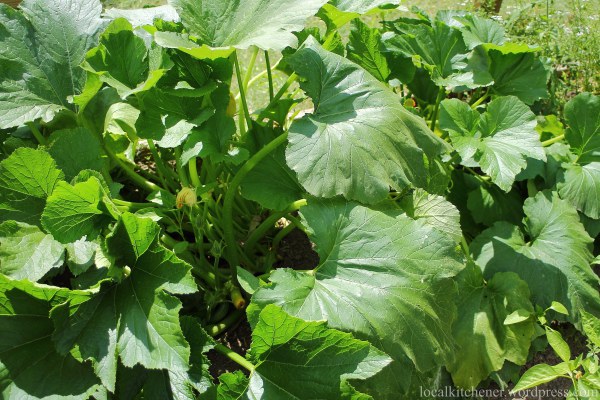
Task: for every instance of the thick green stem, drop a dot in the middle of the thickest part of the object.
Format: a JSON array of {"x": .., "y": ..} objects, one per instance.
[
  {"x": 556, "y": 139},
  {"x": 226, "y": 323},
  {"x": 269, "y": 76},
  {"x": 160, "y": 166},
  {"x": 269, "y": 222},
  {"x": 230, "y": 241},
  {"x": 246, "y": 114},
  {"x": 291, "y": 79},
  {"x": 180, "y": 171},
  {"x": 232, "y": 355},
  {"x": 436, "y": 110},
  {"x": 480, "y": 100},
  {"x": 123, "y": 205},
  {"x": 37, "y": 134},
  {"x": 194, "y": 173}
]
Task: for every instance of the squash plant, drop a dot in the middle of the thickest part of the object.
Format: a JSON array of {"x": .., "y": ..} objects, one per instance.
[{"x": 442, "y": 209}]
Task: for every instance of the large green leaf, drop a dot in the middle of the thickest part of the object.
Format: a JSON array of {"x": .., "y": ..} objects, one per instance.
[
  {"x": 267, "y": 24},
  {"x": 40, "y": 52},
  {"x": 75, "y": 150},
  {"x": 520, "y": 74},
  {"x": 554, "y": 260},
  {"x": 499, "y": 141},
  {"x": 27, "y": 178},
  {"x": 485, "y": 341},
  {"x": 320, "y": 359},
  {"x": 28, "y": 253},
  {"x": 272, "y": 183},
  {"x": 364, "y": 49},
  {"x": 136, "y": 319},
  {"x": 477, "y": 30},
  {"x": 123, "y": 61},
  {"x": 359, "y": 141},
  {"x": 441, "y": 50},
  {"x": 30, "y": 367},
  {"x": 76, "y": 211},
  {"x": 580, "y": 184},
  {"x": 379, "y": 269}
]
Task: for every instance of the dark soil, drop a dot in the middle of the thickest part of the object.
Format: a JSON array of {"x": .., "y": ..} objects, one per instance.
[
  {"x": 237, "y": 339},
  {"x": 296, "y": 251}
]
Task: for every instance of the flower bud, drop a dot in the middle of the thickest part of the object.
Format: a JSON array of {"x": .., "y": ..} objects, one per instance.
[{"x": 186, "y": 196}]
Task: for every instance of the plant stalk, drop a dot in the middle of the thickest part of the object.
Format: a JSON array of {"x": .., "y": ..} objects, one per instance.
[
  {"x": 232, "y": 355},
  {"x": 556, "y": 139},
  {"x": 230, "y": 241}
]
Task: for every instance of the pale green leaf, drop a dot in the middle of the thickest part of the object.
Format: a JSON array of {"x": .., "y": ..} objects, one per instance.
[
  {"x": 558, "y": 344},
  {"x": 248, "y": 281},
  {"x": 436, "y": 211},
  {"x": 144, "y": 16},
  {"x": 28, "y": 253},
  {"x": 41, "y": 49},
  {"x": 359, "y": 141},
  {"x": 554, "y": 259},
  {"x": 591, "y": 327},
  {"x": 81, "y": 254},
  {"x": 499, "y": 141},
  {"x": 538, "y": 375},
  {"x": 267, "y": 24},
  {"x": 478, "y": 30}
]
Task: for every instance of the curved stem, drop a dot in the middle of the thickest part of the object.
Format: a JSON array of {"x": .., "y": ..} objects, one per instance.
[
  {"x": 230, "y": 242},
  {"x": 180, "y": 171},
  {"x": 232, "y": 355},
  {"x": 291, "y": 79},
  {"x": 162, "y": 173},
  {"x": 269, "y": 222},
  {"x": 37, "y": 134},
  {"x": 553, "y": 140},
  {"x": 436, "y": 110},
  {"x": 194, "y": 173},
  {"x": 225, "y": 323}
]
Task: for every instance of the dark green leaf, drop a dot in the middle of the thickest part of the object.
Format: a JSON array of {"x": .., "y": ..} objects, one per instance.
[
  {"x": 552, "y": 255},
  {"x": 75, "y": 150},
  {"x": 364, "y": 49},
  {"x": 485, "y": 341}
]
